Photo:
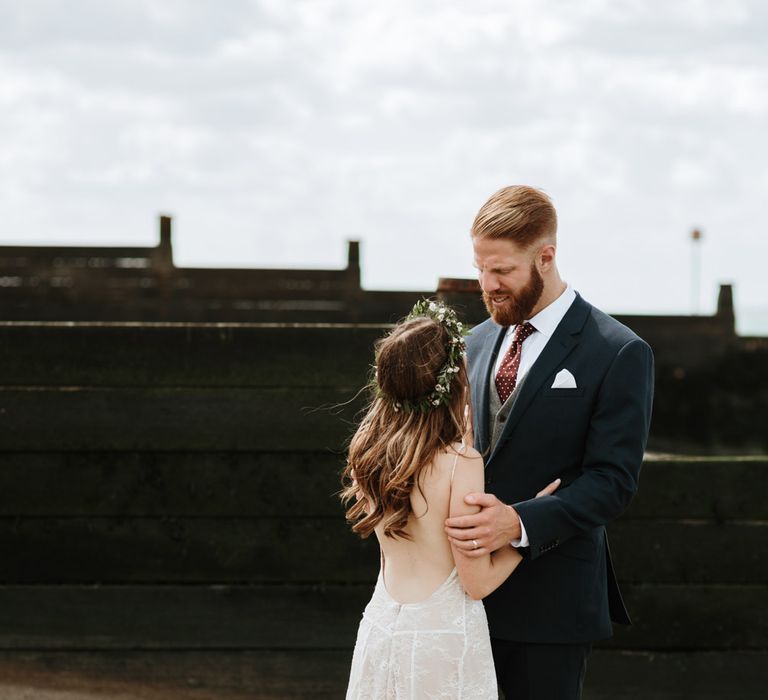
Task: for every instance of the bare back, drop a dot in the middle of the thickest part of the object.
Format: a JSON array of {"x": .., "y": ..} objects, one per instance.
[{"x": 415, "y": 568}]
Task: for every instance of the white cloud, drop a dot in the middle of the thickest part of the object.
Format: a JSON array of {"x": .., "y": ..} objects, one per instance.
[{"x": 274, "y": 131}]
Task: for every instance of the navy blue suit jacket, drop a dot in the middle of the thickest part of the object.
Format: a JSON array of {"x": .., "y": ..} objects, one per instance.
[{"x": 593, "y": 438}]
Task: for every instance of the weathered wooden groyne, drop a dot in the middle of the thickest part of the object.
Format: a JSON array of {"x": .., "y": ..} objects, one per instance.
[{"x": 168, "y": 517}]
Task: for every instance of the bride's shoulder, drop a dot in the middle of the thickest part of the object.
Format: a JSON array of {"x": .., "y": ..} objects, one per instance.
[
  {"x": 456, "y": 465},
  {"x": 459, "y": 454},
  {"x": 463, "y": 451},
  {"x": 469, "y": 452},
  {"x": 467, "y": 471}
]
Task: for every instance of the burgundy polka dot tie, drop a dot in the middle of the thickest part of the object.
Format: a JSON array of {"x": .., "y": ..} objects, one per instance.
[{"x": 506, "y": 377}]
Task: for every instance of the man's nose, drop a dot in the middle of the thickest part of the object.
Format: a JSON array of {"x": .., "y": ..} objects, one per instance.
[{"x": 488, "y": 282}]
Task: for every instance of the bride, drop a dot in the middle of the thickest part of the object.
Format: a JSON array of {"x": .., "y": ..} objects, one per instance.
[{"x": 424, "y": 633}]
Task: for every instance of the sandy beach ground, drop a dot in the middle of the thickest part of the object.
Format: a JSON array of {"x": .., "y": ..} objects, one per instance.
[
  {"x": 125, "y": 676},
  {"x": 170, "y": 675}
]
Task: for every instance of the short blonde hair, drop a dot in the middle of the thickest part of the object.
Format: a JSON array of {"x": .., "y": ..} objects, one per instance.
[{"x": 518, "y": 213}]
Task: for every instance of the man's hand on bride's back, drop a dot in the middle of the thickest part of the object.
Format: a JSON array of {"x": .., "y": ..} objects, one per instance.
[
  {"x": 494, "y": 527},
  {"x": 549, "y": 490}
]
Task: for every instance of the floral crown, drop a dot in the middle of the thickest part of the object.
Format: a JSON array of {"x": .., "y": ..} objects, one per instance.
[{"x": 456, "y": 351}]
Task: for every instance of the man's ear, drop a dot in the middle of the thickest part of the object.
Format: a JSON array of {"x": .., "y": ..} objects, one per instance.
[{"x": 545, "y": 258}]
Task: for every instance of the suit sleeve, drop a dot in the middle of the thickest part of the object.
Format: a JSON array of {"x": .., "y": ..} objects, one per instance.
[{"x": 614, "y": 449}]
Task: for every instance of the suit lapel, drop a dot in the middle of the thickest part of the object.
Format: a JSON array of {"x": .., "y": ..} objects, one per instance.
[
  {"x": 559, "y": 346},
  {"x": 480, "y": 379}
]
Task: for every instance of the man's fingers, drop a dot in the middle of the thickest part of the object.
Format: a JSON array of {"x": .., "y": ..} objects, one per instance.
[
  {"x": 550, "y": 489},
  {"x": 484, "y": 500},
  {"x": 468, "y": 548},
  {"x": 464, "y": 545},
  {"x": 463, "y": 521},
  {"x": 465, "y": 534}
]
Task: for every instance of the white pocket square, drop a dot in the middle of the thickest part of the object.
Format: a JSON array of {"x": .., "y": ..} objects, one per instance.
[{"x": 564, "y": 380}]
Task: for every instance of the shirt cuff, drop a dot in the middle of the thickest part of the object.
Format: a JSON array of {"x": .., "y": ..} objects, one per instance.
[{"x": 523, "y": 541}]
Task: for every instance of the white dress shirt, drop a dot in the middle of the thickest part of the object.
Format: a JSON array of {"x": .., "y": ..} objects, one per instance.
[{"x": 545, "y": 323}]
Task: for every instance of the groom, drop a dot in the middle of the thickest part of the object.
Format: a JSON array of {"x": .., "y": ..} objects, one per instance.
[{"x": 559, "y": 390}]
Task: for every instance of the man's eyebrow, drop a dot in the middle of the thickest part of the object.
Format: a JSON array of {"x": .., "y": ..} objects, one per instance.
[{"x": 496, "y": 268}]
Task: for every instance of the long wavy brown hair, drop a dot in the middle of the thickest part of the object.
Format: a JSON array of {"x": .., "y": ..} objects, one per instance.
[{"x": 391, "y": 448}]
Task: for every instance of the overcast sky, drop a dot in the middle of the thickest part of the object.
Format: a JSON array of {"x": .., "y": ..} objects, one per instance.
[{"x": 275, "y": 130}]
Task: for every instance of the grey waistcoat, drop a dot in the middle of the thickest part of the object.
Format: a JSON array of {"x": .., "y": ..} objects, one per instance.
[{"x": 499, "y": 413}]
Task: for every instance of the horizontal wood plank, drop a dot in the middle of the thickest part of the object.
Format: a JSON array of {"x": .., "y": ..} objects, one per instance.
[
  {"x": 273, "y": 483},
  {"x": 214, "y": 419},
  {"x": 721, "y": 489},
  {"x": 630, "y": 675},
  {"x": 186, "y": 354},
  {"x": 276, "y": 550},
  {"x": 183, "y": 550},
  {"x": 170, "y": 484},
  {"x": 674, "y": 551},
  {"x": 666, "y": 617}
]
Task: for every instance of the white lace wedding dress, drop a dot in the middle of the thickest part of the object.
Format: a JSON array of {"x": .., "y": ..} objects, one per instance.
[{"x": 438, "y": 648}]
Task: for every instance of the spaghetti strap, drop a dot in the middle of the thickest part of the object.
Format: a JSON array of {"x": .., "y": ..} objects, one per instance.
[{"x": 456, "y": 459}]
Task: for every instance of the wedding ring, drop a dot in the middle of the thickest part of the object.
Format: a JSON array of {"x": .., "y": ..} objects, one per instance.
[{"x": 474, "y": 542}]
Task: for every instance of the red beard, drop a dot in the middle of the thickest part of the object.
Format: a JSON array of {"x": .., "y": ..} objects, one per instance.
[{"x": 519, "y": 306}]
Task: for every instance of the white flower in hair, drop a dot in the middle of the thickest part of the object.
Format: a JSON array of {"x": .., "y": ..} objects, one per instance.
[{"x": 456, "y": 348}]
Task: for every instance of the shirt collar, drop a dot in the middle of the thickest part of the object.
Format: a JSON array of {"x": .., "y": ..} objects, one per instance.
[{"x": 550, "y": 316}]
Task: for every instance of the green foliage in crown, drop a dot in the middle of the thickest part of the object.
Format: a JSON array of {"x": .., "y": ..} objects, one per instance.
[{"x": 440, "y": 395}]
